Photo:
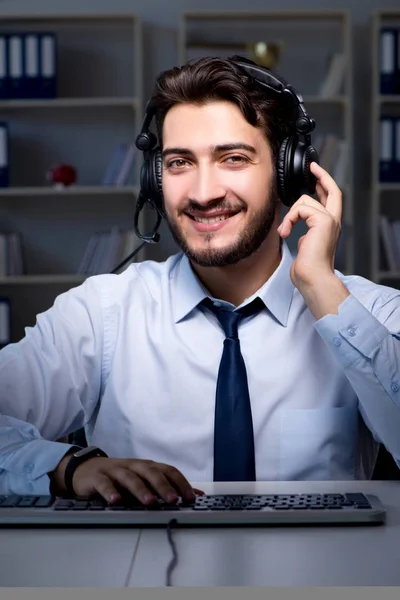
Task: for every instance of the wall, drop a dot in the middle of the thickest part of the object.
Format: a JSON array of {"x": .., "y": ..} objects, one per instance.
[{"x": 160, "y": 21}]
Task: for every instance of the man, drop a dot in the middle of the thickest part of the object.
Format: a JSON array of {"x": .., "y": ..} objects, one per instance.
[{"x": 135, "y": 357}]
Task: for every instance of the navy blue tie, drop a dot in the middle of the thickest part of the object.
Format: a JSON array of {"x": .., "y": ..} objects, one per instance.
[{"x": 234, "y": 458}]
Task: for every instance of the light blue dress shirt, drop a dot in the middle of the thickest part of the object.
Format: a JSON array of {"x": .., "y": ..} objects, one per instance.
[{"x": 134, "y": 359}]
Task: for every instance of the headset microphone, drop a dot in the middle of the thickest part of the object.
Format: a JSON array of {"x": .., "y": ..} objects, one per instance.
[{"x": 148, "y": 238}]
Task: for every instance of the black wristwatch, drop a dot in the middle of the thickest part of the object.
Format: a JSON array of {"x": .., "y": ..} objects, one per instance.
[{"x": 77, "y": 458}]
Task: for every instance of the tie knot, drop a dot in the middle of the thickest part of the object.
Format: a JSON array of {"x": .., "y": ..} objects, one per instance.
[{"x": 229, "y": 319}]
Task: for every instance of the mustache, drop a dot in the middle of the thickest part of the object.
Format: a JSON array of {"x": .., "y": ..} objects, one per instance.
[{"x": 195, "y": 207}]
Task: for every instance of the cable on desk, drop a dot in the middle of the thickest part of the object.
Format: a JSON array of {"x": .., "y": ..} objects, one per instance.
[{"x": 174, "y": 559}]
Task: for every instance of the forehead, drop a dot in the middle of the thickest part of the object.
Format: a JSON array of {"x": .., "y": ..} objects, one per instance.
[{"x": 211, "y": 124}]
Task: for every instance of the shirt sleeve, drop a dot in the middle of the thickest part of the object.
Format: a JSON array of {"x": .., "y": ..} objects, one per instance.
[
  {"x": 50, "y": 384},
  {"x": 366, "y": 342}
]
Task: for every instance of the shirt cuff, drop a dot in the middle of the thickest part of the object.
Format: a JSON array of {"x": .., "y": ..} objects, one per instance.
[
  {"x": 354, "y": 331},
  {"x": 27, "y": 468}
]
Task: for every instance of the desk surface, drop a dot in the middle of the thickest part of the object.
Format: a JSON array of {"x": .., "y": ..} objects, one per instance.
[
  {"x": 314, "y": 556},
  {"x": 261, "y": 556}
]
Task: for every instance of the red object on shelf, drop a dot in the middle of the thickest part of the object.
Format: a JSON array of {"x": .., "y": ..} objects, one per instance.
[{"x": 63, "y": 175}]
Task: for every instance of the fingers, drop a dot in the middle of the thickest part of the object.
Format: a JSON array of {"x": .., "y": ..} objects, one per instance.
[
  {"x": 104, "y": 486},
  {"x": 328, "y": 191},
  {"x": 144, "y": 479},
  {"x": 166, "y": 480},
  {"x": 306, "y": 209}
]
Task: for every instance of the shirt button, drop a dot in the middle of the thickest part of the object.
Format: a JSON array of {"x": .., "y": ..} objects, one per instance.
[
  {"x": 30, "y": 487},
  {"x": 336, "y": 342},
  {"x": 395, "y": 386},
  {"x": 351, "y": 331},
  {"x": 29, "y": 469}
]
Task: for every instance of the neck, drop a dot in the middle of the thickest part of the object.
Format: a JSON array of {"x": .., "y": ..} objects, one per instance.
[{"x": 237, "y": 282}]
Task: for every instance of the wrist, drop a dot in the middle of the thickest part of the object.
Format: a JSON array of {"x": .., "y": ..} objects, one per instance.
[
  {"x": 78, "y": 457},
  {"x": 324, "y": 295},
  {"x": 57, "y": 477}
]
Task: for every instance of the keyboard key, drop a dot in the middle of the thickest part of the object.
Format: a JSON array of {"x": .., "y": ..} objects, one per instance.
[
  {"x": 10, "y": 501},
  {"x": 43, "y": 501},
  {"x": 26, "y": 502}
]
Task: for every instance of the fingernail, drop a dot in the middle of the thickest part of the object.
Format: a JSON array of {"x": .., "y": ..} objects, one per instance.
[
  {"x": 113, "y": 497},
  {"x": 148, "y": 498},
  {"x": 171, "y": 497}
]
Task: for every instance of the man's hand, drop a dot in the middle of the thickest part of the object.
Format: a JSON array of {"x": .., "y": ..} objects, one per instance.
[
  {"x": 144, "y": 479},
  {"x": 312, "y": 270},
  {"x": 317, "y": 248}
]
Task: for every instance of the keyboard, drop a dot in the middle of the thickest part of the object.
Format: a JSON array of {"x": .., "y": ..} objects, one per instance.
[{"x": 222, "y": 509}]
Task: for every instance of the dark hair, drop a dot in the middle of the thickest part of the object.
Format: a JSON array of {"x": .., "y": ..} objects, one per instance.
[{"x": 208, "y": 79}]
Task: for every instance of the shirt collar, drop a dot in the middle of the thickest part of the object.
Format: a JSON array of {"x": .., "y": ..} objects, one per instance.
[{"x": 276, "y": 293}]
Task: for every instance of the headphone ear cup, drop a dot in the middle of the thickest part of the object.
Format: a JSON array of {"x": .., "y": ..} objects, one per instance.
[
  {"x": 151, "y": 180},
  {"x": 304, "y": 181},
  {"x": 294, "y": 175},
  {"x": 283, "y": 170},
  {"x": 157, "y": 181}
]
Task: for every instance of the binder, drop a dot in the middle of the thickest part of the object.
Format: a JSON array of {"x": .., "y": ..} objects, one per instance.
[
  {"x": 387, "y": 150},
  {"x": 397, "y": 74},
  {"x": 47, "y": 65},
  {"x": 3, "y": 67},
  {"x": 396, "y": 166},
  {"x": 16, "y": 66},
  {"x": 5, "y": 322},
  {"x": 4, "y": 156},
  {"x": 388, "y": 60},
  {"x": 31, "y": 65}
]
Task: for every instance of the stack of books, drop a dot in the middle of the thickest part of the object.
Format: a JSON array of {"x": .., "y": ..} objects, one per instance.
[{"x": 105, "y": 250}]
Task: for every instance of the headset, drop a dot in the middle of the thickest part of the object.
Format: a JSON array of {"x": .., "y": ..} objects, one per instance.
[
  {"x": 295, "y": 155},
  {"x": 294, "y": 158}
]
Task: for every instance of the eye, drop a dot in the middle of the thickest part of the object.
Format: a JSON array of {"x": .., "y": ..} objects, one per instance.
[
  {"x": 177, "y": 163},
  {"x": 237, "y": 159}
]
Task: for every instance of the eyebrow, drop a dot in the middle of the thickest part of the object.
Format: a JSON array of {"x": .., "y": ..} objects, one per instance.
[{"x": 215, "y": 150}]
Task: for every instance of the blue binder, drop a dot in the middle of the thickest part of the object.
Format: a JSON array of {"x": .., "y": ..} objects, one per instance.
[
  {"x": 48, "y": 65},
  {"x": 388, "y": 61},
  {"x": 3, "y": 67},
  {"x": 387, "y": 151},
  {"x": 16, "y": 83},
  {"x": 5, "y": 322},
  {"x": 397, "y": 73},
  {"x": 31, "y": 65},
  {"x": 4, "y": 156},
  {"x": 396, "y": 135}
]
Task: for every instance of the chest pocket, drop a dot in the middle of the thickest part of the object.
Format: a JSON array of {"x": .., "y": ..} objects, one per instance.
[{"x": 318, "y": 443}]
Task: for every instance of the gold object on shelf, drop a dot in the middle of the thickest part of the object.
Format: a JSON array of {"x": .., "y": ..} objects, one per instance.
[{"x": 265, "y": 54}]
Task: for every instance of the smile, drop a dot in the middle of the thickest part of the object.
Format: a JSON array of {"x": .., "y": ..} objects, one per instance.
[
  {"x": 211, "y": 224},
  {"x": 211, "y": 219}
]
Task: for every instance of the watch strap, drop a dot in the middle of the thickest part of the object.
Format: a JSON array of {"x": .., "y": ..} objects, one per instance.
[{"x": 78, "y": 457}]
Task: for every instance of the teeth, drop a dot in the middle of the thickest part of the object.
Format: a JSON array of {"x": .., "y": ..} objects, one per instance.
[{"x": 211, "y": 220}]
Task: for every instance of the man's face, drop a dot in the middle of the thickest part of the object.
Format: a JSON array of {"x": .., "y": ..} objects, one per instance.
[{"x": 218, "y": 183}]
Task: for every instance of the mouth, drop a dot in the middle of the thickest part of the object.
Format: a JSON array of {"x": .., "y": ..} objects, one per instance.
[{"x": 211, "y": 223}]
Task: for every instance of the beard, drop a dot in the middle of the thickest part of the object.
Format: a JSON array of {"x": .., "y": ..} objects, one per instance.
[{"x": 248, "y": 241}]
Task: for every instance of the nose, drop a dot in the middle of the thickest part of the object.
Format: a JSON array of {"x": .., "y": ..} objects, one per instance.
[{"x": 206, "y": 185}]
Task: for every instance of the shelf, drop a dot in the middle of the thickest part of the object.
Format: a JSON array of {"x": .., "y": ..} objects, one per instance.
[
  {"x": 389, "y": 275},
  {"x": 42, "y": 279},
  {"x": 104, "y": 102},
  {"x": 388, "y": 99},
  {"x": 389, "y": 187},
  {"x": 77, "y": 190},
  {"x": 276, "y": 14}
]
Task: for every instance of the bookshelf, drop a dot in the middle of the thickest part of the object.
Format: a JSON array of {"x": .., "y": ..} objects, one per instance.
[
  {"x": 98, "y": 106},
  {"x": 307, "y": 40},
  {"x": 385, "y": 195}
]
